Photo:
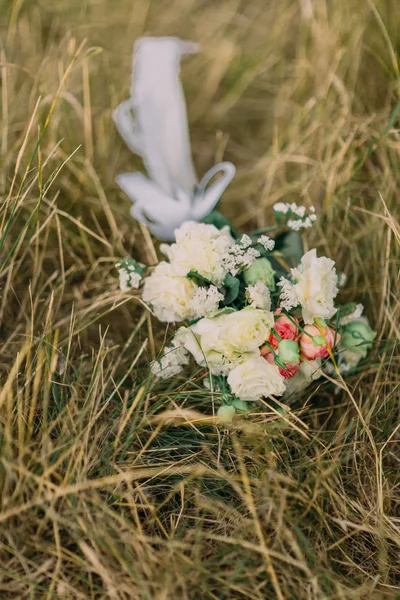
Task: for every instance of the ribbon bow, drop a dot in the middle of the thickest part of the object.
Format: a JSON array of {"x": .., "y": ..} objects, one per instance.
[{"x": 153, "y": 123}]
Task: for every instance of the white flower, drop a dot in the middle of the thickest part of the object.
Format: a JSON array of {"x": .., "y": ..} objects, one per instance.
[
  {"x": 315, "y": 285},
  {"x": 354, "y": 316},
  {"x": 211, "y": 385},
  {"x": 130, "y": 274},
  {"x": 166, "y": 250},
  {"x": 281, "y": 207},
  {"x": 267, "y": 242},
  {"x": 342, "y": 279},
  {"x": 288, "y": 297},
  {"x": 128, "y": 280},
  {"x": 241, "y": 332},
  {"x": 239, "y": 257},
  {"x": 205, "y": 302},
  {"x": 169, "y": 294},
  {"x": 245, "y": 240},
  {"x": 171, "y": 363},
  {"x": 309, "y": 370},
  {"x": 201, "y": 248},
  {"x": 301, "y": 219},
  {"x": 259, "y": 296},
  {"x": 300, "y": 211},
  {"x": 348, "y": 360},
  {"x": 297, "y": 224},
  {"x": 256, "y": 378},
  {"x": 222, "y": 342},
  {"x": 153, "y": 123},
  {"x": 197, "y": 339}
]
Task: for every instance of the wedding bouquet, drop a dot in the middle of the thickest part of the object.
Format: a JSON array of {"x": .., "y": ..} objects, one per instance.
[
  {"x": 261, "y": 327},
  {"x": 258, "y": 313}
]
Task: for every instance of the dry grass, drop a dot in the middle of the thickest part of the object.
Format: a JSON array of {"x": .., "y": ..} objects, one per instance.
[{"x": 113, "y": 486}]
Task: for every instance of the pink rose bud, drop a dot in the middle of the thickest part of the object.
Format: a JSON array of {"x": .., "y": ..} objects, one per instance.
[
  {"x": 319, "y": 344},
  {"x": 288, "y": 372},
  {"x": 285, "y": 328}
]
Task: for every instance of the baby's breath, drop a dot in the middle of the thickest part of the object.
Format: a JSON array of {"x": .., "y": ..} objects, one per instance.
[
  {"x": 288, "y": 297},
  {"x": 267, "y": 242}
]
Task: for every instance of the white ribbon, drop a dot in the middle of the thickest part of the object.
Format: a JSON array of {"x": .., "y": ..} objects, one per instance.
[{"x": 153, "y": 123}]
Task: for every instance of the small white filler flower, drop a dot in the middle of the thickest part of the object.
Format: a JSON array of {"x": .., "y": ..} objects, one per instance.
[{"x": 153, "y": 123}]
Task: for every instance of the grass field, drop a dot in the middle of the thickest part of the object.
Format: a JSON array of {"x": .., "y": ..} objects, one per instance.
[{"x": 114, "y": 486}]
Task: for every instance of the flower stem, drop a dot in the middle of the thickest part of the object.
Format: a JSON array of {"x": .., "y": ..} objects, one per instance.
[
  {"x": 264, "y": 230},
  {"x": 297, "y": 324},
  {"x": 277, "y": 360},
  {"x": 276, "y": 334}
]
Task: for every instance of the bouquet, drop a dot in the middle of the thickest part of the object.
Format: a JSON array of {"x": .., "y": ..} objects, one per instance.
[
  {"x": 255, "y": 310},
  {"x": 261, "y": 327}
]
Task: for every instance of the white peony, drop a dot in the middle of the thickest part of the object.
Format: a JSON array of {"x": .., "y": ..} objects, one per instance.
[
  {"x": 222, "y": 342},
  {"x": 256, "y": 378},
  {"x": 315, "y": 285},
  {"x": 200, "y": 247},
  {"x": 169, "y": 294},
  {"x": 259, "y": 296}
]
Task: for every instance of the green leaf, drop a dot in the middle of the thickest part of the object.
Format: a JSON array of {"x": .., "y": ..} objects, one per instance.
[
  {"x": 240, "y": 405},
  {"x": 199, "y": 279},
  {"x": 219, "y": 220},
  {"x": 231, "y": 285},
  {"x": 290, "y": 246},
  {"x": 293, "y": 248},
  {"x": 227, "y": 310}
]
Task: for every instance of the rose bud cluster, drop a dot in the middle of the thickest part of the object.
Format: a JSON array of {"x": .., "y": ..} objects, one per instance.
[{"x": 288, "y": 344}]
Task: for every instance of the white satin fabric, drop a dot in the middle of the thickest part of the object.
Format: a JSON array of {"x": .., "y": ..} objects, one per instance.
[{"x": 153, "y": 123}]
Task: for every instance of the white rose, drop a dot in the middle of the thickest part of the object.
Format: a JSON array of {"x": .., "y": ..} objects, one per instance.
[
  {"x": 197, "y": 339},
  {"x": 169, "y": 294},
  {"x": 243, "y": 331},
  {"x": 202, "y": 248},
  {"x": 190, "y": 338},
  {"x": 256, "y": 378},
  {"x": 222, "y": 342},
  {"x": 315, "y": 285}
]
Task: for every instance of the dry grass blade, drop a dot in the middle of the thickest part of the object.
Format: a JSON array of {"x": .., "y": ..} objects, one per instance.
[{"x": 113, "y": 485}]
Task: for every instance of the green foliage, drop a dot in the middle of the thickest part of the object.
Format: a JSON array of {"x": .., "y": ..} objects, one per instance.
[
  {"x": 199, "y": 279},
  {"x": 231, "y": 289},
  {"x": 219, "y": 220}
]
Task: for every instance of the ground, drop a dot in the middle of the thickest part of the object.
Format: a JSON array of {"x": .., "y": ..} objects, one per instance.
[{"x": 113, "y": 485}]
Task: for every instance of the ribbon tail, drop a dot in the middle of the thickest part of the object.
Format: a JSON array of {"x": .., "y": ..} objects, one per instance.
[
  {"x": 152, "y": 206},
  {"x": 160, "y": 109},
  {"x": 128, "y": 127},
  {"x": 207, "y": 197}
]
